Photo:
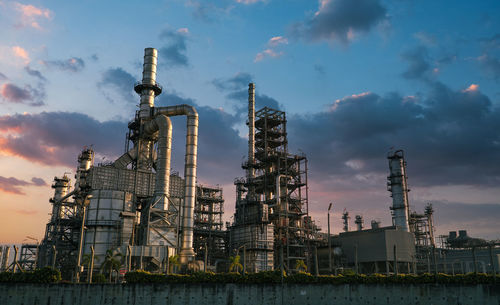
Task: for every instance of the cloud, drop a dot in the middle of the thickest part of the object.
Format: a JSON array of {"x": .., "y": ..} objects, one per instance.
[
  {"x": 418, "y": 63},
  {"x": 73, "y": 64},
  {"x": 236, "y": 90},
  {"x": 21, "y": 53},
  {"x": 267, "y": 53},
  {"x": 472, "y": 88},
  {"x": 490, "y": 65},
  {"x": 173, "y": 54},
  {"x": 237, "y": 82},
  {"x": 247, "y": 2},
  {"x": 14, "y": 186},
  {"x": 120, "y": 81},
  {"x": 30, "y": 15},
  {"x": 27, "y": 95},
  {"x": 340, "y": 20},
  {"x": 443, "y": 133},
  {"x": 38, "y": 181},
  {"x": 277, "y": 40},
  {"x": 3, "y": 77},
  {"x": 426, "y": 38},
  {"x": 489, "y": 61},
  {"x": 35, "y": 73},
  {"x": 210, "y": 11},
  {"x": 491, "y": 44},
  {"x": 319, "y": 69},
  {"x": 271, "y": 51},
  {"x": 56, "y": 138}
]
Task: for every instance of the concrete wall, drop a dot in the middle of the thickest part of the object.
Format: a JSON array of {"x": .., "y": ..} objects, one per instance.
[{"x": 232, "y": 294}]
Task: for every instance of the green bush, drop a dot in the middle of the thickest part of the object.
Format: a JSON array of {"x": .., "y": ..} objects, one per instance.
[
  {"x": 43, "y": 275},
  {"x": 303, "y": 277},
  {"x": 99, "y": 278}
]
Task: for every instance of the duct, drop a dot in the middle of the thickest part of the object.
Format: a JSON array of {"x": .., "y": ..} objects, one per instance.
[
  {"x": 124, "y": 160},
  {"x": 162, "y": 124},
  {"x": 187, "y": 253}
]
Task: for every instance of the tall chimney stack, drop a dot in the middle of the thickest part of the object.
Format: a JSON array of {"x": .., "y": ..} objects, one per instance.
[{"x": 148, "y": 89}]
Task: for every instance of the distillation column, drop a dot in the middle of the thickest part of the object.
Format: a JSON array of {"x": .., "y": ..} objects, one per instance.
[
  {"x": 251, "y": 140},
  {"x": 345, "y": 218},
  {"x": 398, "y": 187}
]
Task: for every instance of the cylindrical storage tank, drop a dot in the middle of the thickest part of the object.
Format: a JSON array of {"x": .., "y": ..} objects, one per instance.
[{"x": 103, "y": 222}]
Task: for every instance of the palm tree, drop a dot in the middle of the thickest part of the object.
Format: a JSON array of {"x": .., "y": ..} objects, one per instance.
[
  {"x": 173, "y": 261},
  {"x": 235, "y": 263},
  {"x": 300, "y": 265},
  {"x": 112, "y": 261}
]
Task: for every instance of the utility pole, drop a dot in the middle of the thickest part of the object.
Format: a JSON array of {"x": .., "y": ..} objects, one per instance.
[
  {"x": 54, "y": 254},
  {"x": 329, "y": 241},
  {"x": 91, "y": 269},
  {"x": 206, "y": 258}
]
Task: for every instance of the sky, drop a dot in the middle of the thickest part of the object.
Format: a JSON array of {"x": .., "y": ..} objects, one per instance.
[{"x": 355, "y": 77}]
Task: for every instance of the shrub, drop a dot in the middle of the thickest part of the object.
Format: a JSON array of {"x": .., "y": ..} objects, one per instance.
[
  {"x": 99, "y": 278},
  {"x": 43, "y": 275}
]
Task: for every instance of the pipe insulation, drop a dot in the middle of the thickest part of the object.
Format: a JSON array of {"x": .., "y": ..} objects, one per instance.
[
  {"x": 187, "y": 253},
  {"x": 163, "y": 125}
]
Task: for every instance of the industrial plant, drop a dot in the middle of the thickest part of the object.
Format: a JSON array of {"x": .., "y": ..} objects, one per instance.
[{"x": 138, "y": 211}]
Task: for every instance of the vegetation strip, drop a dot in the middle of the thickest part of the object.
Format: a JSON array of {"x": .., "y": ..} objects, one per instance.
[{"x": 49, "y": 275}]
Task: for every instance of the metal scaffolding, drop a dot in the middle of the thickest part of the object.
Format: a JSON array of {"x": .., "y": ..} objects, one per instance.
[
  {"x": 210, "y": 241},
  {"x": 60, "y": 244},
  {"x": 272, "y": 197}
]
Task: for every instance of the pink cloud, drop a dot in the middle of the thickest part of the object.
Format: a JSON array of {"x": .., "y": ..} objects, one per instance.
[
  {"x": 277, "y": 40},
  {"x": 21, "y": 53},
  {"x": 30, "y": 15},
  {"x": 472, "y": 88},
  {"x": 267, "y": 53}
]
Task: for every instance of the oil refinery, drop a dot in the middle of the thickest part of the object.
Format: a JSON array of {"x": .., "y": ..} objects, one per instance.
[{"x": 137, "y": 209}]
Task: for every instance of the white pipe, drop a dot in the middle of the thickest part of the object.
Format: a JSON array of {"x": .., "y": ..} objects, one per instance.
[
  {"x": 187, "y": 253},
  {"x": 162, "y": 124}
]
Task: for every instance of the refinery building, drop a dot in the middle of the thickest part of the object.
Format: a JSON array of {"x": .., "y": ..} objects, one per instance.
[{"x": 151, "y": 218}]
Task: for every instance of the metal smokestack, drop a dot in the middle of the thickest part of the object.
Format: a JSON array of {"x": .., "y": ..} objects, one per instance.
[
  {"x": 398, "y": 187},
  {"x": 148, "y": 89}
]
